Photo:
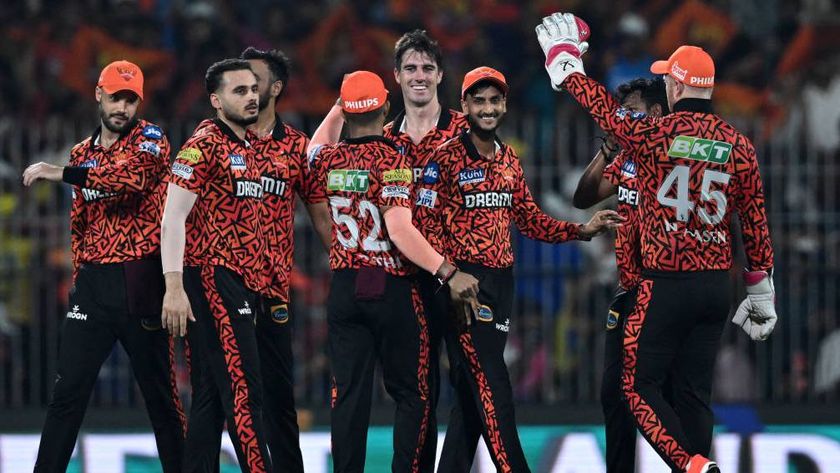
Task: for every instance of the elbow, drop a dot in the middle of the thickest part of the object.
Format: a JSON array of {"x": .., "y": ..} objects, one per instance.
[{"x": 579, "y": 201}]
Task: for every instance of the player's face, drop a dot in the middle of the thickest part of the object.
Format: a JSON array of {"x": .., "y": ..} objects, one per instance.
[
  {"x": 418, "y": 77},
  {"x": 117, "y": 111},
  {"x": 238, "y": 97},
  {"x": 267, "y": 87},
  {"x": 485, "y": 108}
]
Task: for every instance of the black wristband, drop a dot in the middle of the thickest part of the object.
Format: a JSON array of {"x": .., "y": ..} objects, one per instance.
[{"x": 75, "y": 175}]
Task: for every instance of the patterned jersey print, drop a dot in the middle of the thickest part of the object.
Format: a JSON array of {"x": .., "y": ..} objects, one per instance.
[
  {"x": 621, "y": 172},
  {"x": 283, "y": 154},
  {"x": 426, "y": 171},
  {"x": 479, "y": 197},
  {"x": 693, "y": 169},
  {"x": 223, "y": 228},
  {"x": 115, "y": 216},
  {"x": 358, "y": 177}
]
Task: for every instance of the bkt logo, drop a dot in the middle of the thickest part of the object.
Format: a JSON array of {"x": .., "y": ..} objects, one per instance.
[
  {"x": 470, "y": 176},
  {"x": 431, "y": 173},
  {"x": 75, "y": 314},
  {"x": 699, "y": 149},
  {"x": 628, "y": 196},
  {"x": 153, "y": 132}
]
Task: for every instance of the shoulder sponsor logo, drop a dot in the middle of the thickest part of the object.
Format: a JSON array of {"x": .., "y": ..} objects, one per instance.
[
  {"x": 628, "y": 169},
  {"x": 699, "y": 149},
  {"x": 182, "y": 170},
  {"x": 396, "y": 192},
  {"x": 152, "y": 132},
  {"x": 470, "y": 176},
  {"x": 349, "y": 180},
  {"x": 273, "y": 185},
  {"x": 280, "y": 313},
  {"x": 75, "y": 314},
  {"x": 488, "y": 200},
  {"x": 431, "y": 173},
  {"x": 247, "y": 189},
  {"x": 426, "y": 198},
  {"x": 150, "y": 147},
  {"x": 237, "y": 162},
  {"x": 397, "y": 175},
  {"x": 628, "y": 196},
  {"x": 90, "y": 163},
  {"x": 484, "y": 314},
  {"x": 190, "y": 155}
]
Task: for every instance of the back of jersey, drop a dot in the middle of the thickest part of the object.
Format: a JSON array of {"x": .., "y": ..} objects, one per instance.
[
  {"x": 696, "y": 171},
  {"x": 358, "y": 177}
]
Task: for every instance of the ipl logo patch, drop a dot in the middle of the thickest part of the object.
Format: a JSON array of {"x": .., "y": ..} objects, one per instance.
[
  {"x": 280, "y": 313},
  {"x": 484, "y": 314}
]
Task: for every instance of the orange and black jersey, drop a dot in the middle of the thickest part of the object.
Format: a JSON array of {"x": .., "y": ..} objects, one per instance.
[
  {"x": 426, "y": 172},
  {"x": 478, "y": 199},
  {"x": 224, "y": 227},
  {"x": 358, "y": 177},
  {"x": 621, "y": 172},
  {"x": 693, "y": 169},
  {"x": 283, "y": 155},
  {"x": 118, "y": 195}
]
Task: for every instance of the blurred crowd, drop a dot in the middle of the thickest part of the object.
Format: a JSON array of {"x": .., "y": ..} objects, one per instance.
[{"x": 778, "y": 76}]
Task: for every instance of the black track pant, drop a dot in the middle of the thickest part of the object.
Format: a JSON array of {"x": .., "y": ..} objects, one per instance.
[
  {"x": 225, "y": 374},
  {"x": 98, "y": 317},
  {"x": 484, "y": 396},
  {"x": 675, "y": 330},
  {"x": 436, "y": 305},
  {"x": 274, "y": 341},
  {"x": 375, "y": 316}
]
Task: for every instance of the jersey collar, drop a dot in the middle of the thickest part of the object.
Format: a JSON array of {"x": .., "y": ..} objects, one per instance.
[
  {"x": 472, "y": 151},
  {"x": 229, "y": 133},
  {"x": 94, "y": 138},
  {"x": 444, "y": 119},
  {"x": 694, "y": 105},
  {"x": 279, "y": 131}
]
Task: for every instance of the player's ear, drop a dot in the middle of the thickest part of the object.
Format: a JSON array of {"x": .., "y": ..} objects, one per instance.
[
  {"x": 277, "y": 87},
  {"x": 215, "y": 101},
  {"x": 97, "y": 92},
  {"x": 397, "y": 75},
  {"x": 386, "y": 108}
]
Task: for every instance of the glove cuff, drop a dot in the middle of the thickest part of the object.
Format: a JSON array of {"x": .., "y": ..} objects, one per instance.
[{"x": 758, "y": 282}]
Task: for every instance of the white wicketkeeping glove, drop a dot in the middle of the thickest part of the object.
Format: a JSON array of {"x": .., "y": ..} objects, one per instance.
[
  {"x": 562, "y": 37},
  {"x": 757, "y": 313}
]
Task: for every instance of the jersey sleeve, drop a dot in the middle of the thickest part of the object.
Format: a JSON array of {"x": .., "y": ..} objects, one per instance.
[
  {"x": 395, "y": 177},
  {"x": 533, "y": 222},
  {"x": 315, "y": 176},
  {"x": 78, "y": 223},
  {"x": 612, "y": 171},
  {"x": 192, "y": 167},
  {"x": 143, "y": 168},
  {"x": 749, "y": 201},
  {"x": 631, "y": 129}
]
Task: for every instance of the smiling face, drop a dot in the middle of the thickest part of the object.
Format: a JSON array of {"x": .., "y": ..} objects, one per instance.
[
  {"x": 117, "y": 111},
  {"x": 484, "y": 106},
  {"x": 418, "y": 76},
  {"x": 238, "y": 97}
]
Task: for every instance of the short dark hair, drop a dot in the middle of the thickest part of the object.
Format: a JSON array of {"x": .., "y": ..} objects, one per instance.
[
  {"x": 419, "y": 41},
  {"x": 213, "y": 77},
  {"x": 651, "y": 91},
  {"x": 278, "y": 62},
  {"x": 365, "y": 118}
]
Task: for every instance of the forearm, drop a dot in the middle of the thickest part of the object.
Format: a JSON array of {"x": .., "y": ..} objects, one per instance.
[
  {"x": 410, "y": 241},
  {"x": 587, "y": 192},
  {"x": 172, "y": 242},
  {"x": 322, "y": 224}
]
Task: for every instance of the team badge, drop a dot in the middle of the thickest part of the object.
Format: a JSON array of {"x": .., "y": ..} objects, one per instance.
[
  {"x": 280, "y": 313},
  {"x": 484, "y": 314}
]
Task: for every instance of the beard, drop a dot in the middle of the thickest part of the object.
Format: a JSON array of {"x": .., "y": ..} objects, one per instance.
[
  {"x": 105, "y": 118},
  {"x": 483, "y": 133},
  {"x": 264, "y": 98},
  {"x": 240, "y": 119}
]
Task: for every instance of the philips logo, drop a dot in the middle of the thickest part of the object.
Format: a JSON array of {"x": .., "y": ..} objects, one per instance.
[
  {"x": 248, "y": 189},
  {"x": 75, "y": 314},
  {"x": 273, "y": 186},
  {"x": 470, "y": 176},
  {"x": 702, "y": 81},
  {"x": 488, "y": 200},
  {"x": 360, "y": 104},
  {"x": 237, "y": 162},
  {"x": 152, "y": 132},
  {"x": 431, "y": 173}
]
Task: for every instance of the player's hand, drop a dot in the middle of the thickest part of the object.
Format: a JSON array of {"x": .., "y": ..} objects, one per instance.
[
  {"x": 757, "y": 313},
  {"x": 42, "y": 170},
  {"x": 463, "y": 287},
  {"x": 602, "y": 221},
  {"x": 176, "y": 306},
  {"x": 464, "y": 312},
  {"x": 562, "y": 37}
]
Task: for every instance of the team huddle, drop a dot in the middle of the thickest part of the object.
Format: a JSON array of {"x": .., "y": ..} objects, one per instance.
[{"x": 415, "y": 215}]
